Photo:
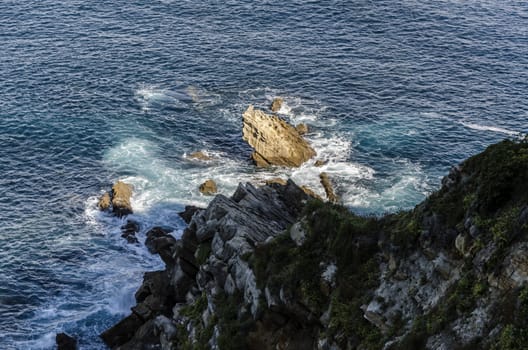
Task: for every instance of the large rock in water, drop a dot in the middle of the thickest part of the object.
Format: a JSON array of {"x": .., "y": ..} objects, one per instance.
[
  {"x": 121, "y": 193},
  {"x": 275, "y": 142}
]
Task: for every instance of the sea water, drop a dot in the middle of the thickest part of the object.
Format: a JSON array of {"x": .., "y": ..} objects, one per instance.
[{"x": 394, "y": 93}]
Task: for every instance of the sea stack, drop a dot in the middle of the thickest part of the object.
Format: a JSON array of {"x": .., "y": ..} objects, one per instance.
[{"x": 274, "y": 140}]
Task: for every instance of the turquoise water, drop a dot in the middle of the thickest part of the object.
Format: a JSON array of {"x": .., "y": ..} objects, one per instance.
[{"x": 395, "y": 93}]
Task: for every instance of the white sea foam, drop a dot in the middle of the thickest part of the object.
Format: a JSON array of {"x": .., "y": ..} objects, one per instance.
[
  {"x": 149, "y": 96},
  {"x": 490, "y": 128}
]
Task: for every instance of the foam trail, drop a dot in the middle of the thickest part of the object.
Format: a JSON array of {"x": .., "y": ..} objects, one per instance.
[{"x": 490, "y": 128}]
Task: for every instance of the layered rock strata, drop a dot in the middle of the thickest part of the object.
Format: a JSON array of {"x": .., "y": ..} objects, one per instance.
[{"x": 275, "y": 142}]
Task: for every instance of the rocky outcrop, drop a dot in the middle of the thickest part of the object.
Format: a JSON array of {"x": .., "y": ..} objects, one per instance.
[
  {"x": 228, "y": 230},
  {"x": 117, "y": 200},
  {"x": 121, "y": 193},
  {"x": 208, "y": 188},
  {"x": 189, "y": 212},
  {"x": 275, "y": 142},
  {"x": 65, "y": 342},
  {"x": 276, "y": 104},
  {"x": 328, "y": 187}
]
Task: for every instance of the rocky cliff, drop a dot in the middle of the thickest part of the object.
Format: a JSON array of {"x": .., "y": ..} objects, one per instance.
[{"x": 271, "y": 268}]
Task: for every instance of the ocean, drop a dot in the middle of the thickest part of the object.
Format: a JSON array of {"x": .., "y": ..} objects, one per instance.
[{"x": 394, "y": 93}]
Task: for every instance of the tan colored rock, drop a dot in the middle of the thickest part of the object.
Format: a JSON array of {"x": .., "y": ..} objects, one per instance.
[
  {"x": 310, "y": 192},
  {"x": 276, "y": 104},
  {"x": 302, "y": 128},
  {"x": 121, "y": 193},
  {"x": 319, "y": 162},
  {"x": 275, "y": 142},
  {"x": 104, "y": 201},
  {"x": 329, "y": 189},
  {"x": 276, "y": 180},
  {"x": 199, "y": 156},
  {"x": 208, "y": 188}
]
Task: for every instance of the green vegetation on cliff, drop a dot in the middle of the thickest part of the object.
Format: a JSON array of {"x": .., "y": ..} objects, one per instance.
[{"x": 336, "y": 279}]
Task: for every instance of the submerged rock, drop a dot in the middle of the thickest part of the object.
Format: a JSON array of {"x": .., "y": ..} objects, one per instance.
[
  {"x": 208, "y": 188},
  {"x": 301, "y": 128},
  {"x": 129, "y": 230},
  {"x": 275, "y": 142},
  {"x": 319, "y": 162},
  {"x": 199, "y": 155},
  {"x": 276, "y": 104}
]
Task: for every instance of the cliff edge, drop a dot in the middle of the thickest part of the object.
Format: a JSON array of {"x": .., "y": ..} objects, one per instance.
[{"x": 271, "y": 268}]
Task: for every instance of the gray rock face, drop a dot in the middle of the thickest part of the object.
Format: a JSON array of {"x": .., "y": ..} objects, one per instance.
[{"x": 233, "y": 227}]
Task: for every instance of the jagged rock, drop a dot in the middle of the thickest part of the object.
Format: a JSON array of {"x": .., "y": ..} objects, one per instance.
[
  {"x": 311, "y": 192},
  {"x": 199, "y": 155},
  {"x": 275, "y": 142},
  {"x": 319, "y": 162},
  {"x": 208, "y": 188},
  {"x": 301, "y": 128},
  {"x": 276, "y": 104},
  {"x": 104, "y": 201},
  {"x": 189, "y": 212},
  {"x": 65, "y": 342},
  {"x": 159, "y": 241},
  {"x": 329, "y": 189},
  {"x": 121, "y": 193},
  {"x": 122, "y": 332},
  {"x": 129, "y": 230}
]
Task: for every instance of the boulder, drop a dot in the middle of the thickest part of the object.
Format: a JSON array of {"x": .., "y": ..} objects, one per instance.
[
  {"x": 104, "y": 201},
  {"x": 319, "y": 162},
  {"x": 189, "y": 212},
  {"x": 129, "y": 230},
  {"x": 302, "y": 128},
  {"x": 329, "y": 189},
  {"x": 65, "y": 342},
  {"x": 199, "y": 155},
  {"x": 121, "y": 193},
  {"x": 159, "y": 241},
  {"x": 276, "y": 104},
  {"x": 208, "y": 188},
  {"x": 275, "y": 141}
]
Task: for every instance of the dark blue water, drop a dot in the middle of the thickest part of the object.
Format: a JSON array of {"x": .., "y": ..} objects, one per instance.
[{"x": 395, "y": 93}]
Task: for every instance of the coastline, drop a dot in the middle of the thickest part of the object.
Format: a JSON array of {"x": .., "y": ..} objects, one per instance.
[{"x": 243, "y": 273}]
